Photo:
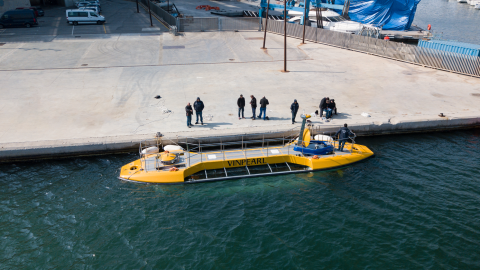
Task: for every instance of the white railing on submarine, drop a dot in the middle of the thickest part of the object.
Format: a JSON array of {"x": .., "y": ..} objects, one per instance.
[{"x": 194, "y": 146}]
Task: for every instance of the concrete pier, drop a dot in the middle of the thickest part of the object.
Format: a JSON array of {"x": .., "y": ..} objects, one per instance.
[{"x": 67, "y": 95}]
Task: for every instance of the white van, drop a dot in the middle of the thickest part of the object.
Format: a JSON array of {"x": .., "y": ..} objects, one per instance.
[
  {"x": 77, "y": 16},
  {"x": 93, "y": 8}
]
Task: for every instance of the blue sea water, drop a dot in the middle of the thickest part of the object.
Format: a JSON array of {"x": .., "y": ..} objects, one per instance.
[
  {"x": 415, "y": 205},
  {"x": 450, "y": 20}
]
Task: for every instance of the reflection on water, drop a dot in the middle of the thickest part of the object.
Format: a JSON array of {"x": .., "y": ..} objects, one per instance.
[
  {"x": 450, "y": 20},
  {"x": 414, "y": 205}
]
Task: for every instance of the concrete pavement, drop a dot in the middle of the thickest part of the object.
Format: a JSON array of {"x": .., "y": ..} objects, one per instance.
[{"x": 98, "y": 91}]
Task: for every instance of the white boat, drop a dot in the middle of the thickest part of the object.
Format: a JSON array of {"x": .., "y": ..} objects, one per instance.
[
  {"x": 462, "y": 1},
  {"x": 477, "y": 5},
  {"x": 331, "y": 20}
]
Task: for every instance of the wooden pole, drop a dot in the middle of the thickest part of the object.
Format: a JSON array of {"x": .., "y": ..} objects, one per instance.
[
  {"x": 304, "y": 20},
  {"x": 266, "y": 24},
  {"x": 149, "y": 12},
  {"x": 285, "y": 36}
]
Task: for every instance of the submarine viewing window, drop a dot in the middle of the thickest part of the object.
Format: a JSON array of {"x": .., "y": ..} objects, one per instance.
[
  {"x": 280, "y": 167},
  {"x": 242, "y": 171}
]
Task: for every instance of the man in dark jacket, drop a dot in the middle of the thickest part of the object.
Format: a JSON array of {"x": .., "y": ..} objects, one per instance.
[
  {"x": 323, "y": 105},
  {"x": 333, "y": 106},
  {"x": 263, "y": 107},
  {"x": 294, "y": 108},
  {"x": 198, "y": 106},
  {"x": 253, "y": 102},
  {"x": 189, "y": 112},
  {"x": 345, "y": 133},
  {"x": 241, "y": 106}
]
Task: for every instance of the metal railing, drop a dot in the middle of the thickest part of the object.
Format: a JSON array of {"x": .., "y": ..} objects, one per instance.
[
  {"x": 448, "y": 61},
  {"x": 194, "y": 147},
  {"x": 191, "y": 24},
  {"x": 160, "y": 12}
]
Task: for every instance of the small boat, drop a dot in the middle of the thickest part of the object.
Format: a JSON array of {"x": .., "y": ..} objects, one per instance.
[
  {"x": 331, "y": 20},
  {"x": 477, "y": 5},
  {"x": 462, "y": 1},
  {"x": 306, "y": 153}
]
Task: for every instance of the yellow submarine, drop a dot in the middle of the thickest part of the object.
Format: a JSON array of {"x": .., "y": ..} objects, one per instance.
[{"x": 179, "y": 166}]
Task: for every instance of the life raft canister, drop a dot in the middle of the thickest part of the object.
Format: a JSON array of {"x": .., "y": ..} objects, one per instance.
[{"x": 429, "y": 27}]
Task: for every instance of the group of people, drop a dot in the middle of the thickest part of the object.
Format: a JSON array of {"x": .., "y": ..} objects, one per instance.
[
  {"x": 328, "y": 105},
  {"x": 253, "y": 103}
]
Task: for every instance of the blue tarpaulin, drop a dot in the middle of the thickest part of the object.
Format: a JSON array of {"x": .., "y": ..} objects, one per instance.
[{"x": 391, "y": 14}]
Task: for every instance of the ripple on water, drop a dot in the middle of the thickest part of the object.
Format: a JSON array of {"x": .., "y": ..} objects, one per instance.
[{"x": 415, "y": 205}]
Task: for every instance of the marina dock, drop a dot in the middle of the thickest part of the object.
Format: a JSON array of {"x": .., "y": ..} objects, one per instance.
[{"x": 67, "y": 95}]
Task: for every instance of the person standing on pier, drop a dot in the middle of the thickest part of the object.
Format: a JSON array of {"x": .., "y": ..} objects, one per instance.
[
  {"x": 189, "y": 111},
  {"x": 198, "y": 106},
  {"x": 263, "y": 107},
  {"x": 294, "y": 108},
  {"x": 253, "y": 102},
  {"x": 241, "y": 106},
  {"x": 323, "y": 105},
  {"x": 345, "y": 133}
]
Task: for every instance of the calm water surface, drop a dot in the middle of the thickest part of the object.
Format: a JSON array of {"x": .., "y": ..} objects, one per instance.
[
  {"x": 450, "y": 20},
  {"x": 413, "y": 206}
]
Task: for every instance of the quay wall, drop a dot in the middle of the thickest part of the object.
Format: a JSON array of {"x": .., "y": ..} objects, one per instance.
[{"x": 37, "y": 150}]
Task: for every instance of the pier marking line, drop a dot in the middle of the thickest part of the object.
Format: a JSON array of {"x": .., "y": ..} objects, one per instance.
[{"x": 105, "y": 30}]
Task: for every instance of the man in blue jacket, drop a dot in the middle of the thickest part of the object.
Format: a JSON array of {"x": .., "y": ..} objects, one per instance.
[
  {"x": 294, "y": 108},
  {"x": 263, "y": 107},
  {"x": 345, "y": 133},
  {"x": 198, "y": 106}
]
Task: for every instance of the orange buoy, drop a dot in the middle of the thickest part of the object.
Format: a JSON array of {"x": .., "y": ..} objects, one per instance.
[
  {"x": 429, "y": 27},
  {"x": 315, "y": 157}
]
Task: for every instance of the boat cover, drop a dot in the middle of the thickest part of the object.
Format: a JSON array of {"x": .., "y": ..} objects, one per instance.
[
  {"x": 391, "y": 14},
  {"x": 323, "y": 148}
]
